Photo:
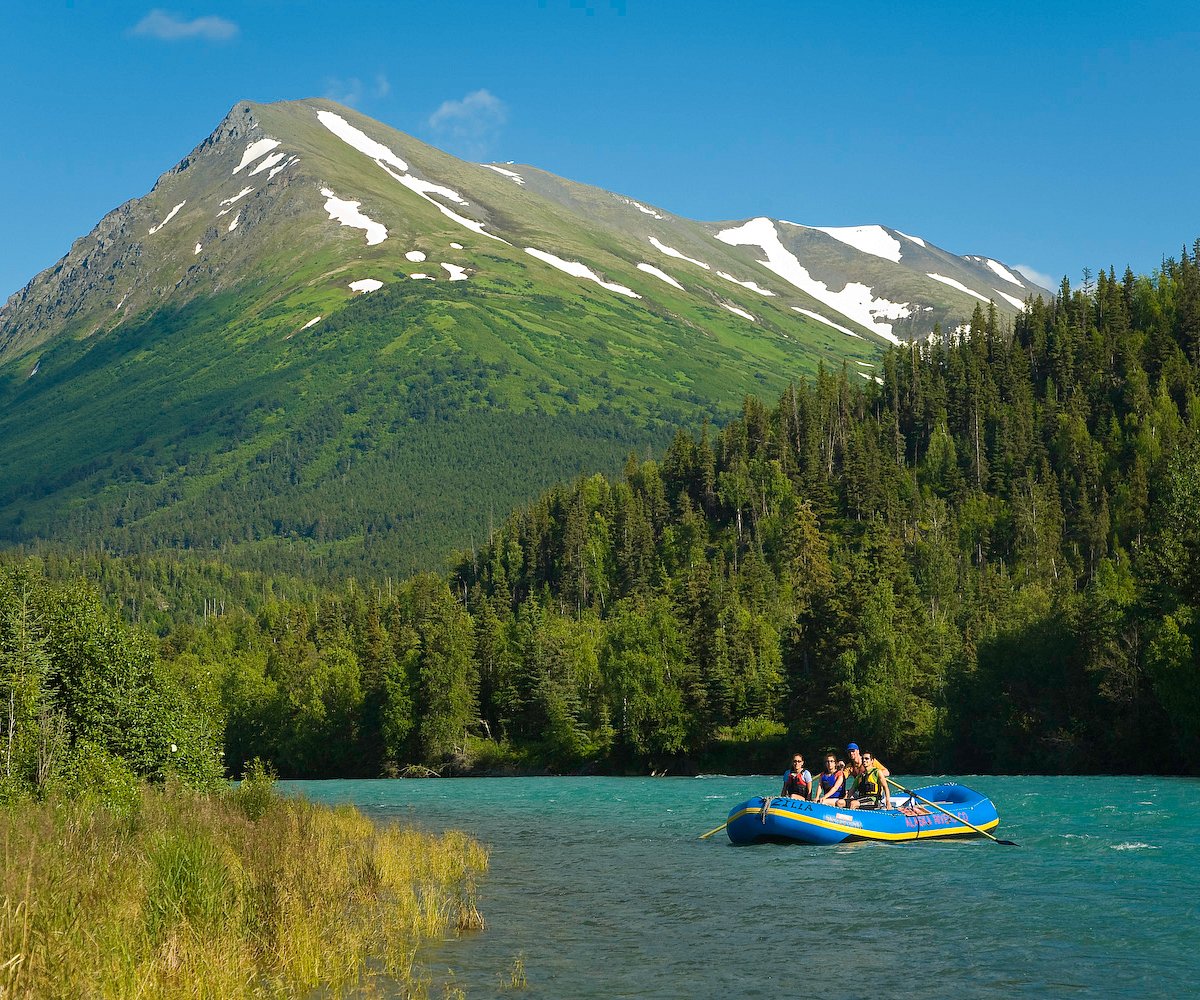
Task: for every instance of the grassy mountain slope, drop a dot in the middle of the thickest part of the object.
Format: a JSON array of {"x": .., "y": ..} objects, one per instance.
[{"x": 169, "y": 384}]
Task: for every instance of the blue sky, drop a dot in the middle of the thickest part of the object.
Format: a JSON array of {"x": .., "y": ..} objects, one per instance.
[{"x": 1050, "y": 136}]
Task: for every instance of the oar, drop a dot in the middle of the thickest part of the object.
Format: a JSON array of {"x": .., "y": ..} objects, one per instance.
[{"x": 1006, "y": 843}]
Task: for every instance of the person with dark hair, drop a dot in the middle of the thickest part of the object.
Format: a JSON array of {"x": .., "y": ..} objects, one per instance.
[
  {"x": 797, "y": 783},
  {"x": 829, "y": 782}
]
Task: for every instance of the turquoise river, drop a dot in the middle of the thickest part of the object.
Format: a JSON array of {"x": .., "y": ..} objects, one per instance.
[{"x": 602, "y": 888}]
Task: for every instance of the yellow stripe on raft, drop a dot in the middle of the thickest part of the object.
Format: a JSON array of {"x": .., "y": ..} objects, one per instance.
[{"x": 919, "y": 833}]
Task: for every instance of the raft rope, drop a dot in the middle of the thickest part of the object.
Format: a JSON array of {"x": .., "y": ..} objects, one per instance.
[{"x": 766, "y": 807}]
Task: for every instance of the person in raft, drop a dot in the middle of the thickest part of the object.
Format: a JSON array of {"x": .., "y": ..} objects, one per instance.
[
  {"x": 871, "y": 789},
  {"x": 866, "y": 779},
  {"x": 797, "y": 783},
  {"x": 829, "y": 783}
]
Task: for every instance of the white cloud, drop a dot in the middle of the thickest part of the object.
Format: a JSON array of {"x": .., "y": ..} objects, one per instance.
[
  {"x": 168, "y": 27},
  {"x": 350, "y": 91},
  {"x": 472, "y": 123},
  {"x": 1038, "y": 278}
]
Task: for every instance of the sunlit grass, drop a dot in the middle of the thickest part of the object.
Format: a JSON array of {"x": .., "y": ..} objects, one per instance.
[{"x": 233, "y": 895}]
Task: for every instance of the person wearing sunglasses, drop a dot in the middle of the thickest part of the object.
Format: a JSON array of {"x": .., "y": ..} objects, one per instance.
[{"x": 797, "y": 783}]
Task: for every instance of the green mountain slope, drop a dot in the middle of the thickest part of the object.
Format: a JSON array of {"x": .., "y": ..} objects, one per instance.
[{"x": 203, "y": 370}]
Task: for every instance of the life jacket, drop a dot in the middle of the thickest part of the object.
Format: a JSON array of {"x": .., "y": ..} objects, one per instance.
[
  {"x": 869, "y": 783},
  {"x": 795, "y": 783},
  {"x": 828, "y": 781}
]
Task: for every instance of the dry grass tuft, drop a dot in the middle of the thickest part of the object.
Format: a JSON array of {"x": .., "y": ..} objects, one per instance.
[{"x": 192, "y": 895}]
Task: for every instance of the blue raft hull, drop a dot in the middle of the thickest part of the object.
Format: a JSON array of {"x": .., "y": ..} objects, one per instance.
[{"x": 776, "y": 819}]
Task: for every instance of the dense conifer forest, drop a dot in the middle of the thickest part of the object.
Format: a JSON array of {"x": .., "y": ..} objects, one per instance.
[{"x": 986, "y": 559}]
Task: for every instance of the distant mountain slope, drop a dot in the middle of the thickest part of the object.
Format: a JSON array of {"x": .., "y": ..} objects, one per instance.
[{"x": 318, "y": 339}]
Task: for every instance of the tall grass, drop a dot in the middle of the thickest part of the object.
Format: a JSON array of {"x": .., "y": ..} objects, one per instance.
[{"x": 225, "y": 895}]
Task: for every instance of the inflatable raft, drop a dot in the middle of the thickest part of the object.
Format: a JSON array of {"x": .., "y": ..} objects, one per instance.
[{"x": 778, "y": 819}]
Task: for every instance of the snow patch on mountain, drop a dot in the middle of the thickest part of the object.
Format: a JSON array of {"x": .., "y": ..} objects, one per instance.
[
  {"x": 421, "y": 277},
  {"x": 642, "y": 208},
  {"x": 282, "y": 166},
  {"x": 241, "y": 194},
  {"x": 416, "y": 256},
  {"x": 456, "y": 246},
  {"x": 1005, "y": 273},
  {"x": 578, "y": 270},
  {"x": 397, "y": 169},
  {"x": 738, "y": 312},
  {"x": 456, "y": 273},
  {"x": 360, "y": 140},
  {"x": 753, "y": 286},
  {"x": 1010, "y": 299},
  {"x": 916, "y": 239},
  {"x": 268, "y": 163},
  {"x": 425, "y": 188},
  {"x": 957, "y": 284},
  {"x": 874, "y": 240},
  {"x": 234, "y": 224},
  {"x": 311, "y": 323},
  {"x": 260, "y": 147},
  {"x": 347, "y": 213},
  {"x": 170, "y": 216},
  {"x": 828, "y": 322},
  {"x": 661, "y": 275},
  {"x": 855, "y": 301},
  {"x": 512, "y": 174},
  {"x": 199, "y": 247},
  {"x": 366, "y": 285},
  {"x": 672, "y": 252}
]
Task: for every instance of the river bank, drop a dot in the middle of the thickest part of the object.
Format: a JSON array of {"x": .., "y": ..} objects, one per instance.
[{"x": 175, "y": 893}]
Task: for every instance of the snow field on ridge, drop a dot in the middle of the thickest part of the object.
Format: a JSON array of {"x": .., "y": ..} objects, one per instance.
[
  {"x": 170, "y": 216},
  {"x": 260, "y": 147},
  {"x": 661, "y": 275},
  {"x": 957, "y": 284},
  {"x": 855, "y": 301},
  {"x": 578, "y": 270}
]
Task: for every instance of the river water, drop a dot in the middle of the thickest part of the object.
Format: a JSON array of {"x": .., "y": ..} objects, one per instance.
[{"x": 601, "y": 887}]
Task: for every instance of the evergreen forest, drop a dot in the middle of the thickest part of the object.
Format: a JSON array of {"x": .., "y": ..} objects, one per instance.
[{"x": 985, "y": 559}]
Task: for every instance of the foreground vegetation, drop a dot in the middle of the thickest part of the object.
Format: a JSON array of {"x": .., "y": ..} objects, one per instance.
[
  {"x": 131, "y": 869},
  {"x": 176, "y": 893}
]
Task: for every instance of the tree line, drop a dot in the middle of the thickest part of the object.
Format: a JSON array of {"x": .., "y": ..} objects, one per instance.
[{"x": 985, "y": 557}]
